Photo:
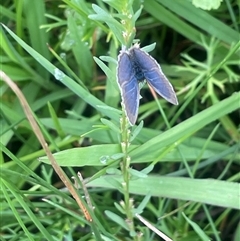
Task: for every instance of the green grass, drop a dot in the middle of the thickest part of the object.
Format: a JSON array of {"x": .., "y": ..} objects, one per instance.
[{"x": 177, "y": 168}]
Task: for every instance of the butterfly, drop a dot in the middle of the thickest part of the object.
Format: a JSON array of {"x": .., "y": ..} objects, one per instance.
[{"x": 135, "y": 66}]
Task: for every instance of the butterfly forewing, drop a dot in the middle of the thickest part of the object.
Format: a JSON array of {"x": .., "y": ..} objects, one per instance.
[
  {"x": 134, "y": 66},
  {"x": 128, "y": 86},
  {"x": 154, "y": 75}
]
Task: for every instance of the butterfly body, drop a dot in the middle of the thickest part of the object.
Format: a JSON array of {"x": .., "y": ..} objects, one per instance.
[
  {"x": 134, "y": 66},
  {"x": 137, "y": 70}
]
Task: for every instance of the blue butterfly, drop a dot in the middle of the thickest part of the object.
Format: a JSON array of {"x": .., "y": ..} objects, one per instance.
[{"x": 135, "y": 66}]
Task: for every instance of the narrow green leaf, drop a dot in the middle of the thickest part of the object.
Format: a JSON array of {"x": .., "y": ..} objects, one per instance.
[
  {"x": 111, "y": 125},
  {"x": 105, "y": 69},
  {"x": 143, "y": 204},
  {"x": 197, "y": 229},
  {"x": 209, "y": 191},
  {"x": 72, "y": 85},
  {"x": 85, "y": 156},
  {"x": 183, "y": 130},
  {"x": 29, "y": 212},
  {"x": 202, "y": 19},
  {"x": 136, "y": 131},
  {"x": 35, "y": 11},
  {"x": 168, "y": 18},
  {"x": 117, "y": 219}
]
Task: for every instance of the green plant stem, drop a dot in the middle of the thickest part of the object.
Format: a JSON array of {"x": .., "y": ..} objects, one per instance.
[{"x": 126, "y": 175}]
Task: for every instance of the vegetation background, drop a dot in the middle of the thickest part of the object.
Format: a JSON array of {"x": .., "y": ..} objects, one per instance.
[{"x": 177, "y": 169}]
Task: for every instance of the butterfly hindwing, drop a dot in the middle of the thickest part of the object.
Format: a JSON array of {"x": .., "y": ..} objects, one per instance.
[
  {"x": 153, "y": 74},
  {"x": 128, "y": 84}
]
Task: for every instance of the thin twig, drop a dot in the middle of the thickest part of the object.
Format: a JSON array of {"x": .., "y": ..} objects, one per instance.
[
  {"x": 155, "y": 230},
  {"x": 38, "y": 133}
]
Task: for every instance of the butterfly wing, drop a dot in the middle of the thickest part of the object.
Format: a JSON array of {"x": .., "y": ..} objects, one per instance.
[
  {"x": 154, "y": 75},
  {"x": 128, "y": 85}
]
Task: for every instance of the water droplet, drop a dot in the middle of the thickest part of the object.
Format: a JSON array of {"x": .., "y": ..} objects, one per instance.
[
  {"x": 58, "y": 74},
  {"x": 63, "y": 55},
  {"x": 104, "y": 159}
]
